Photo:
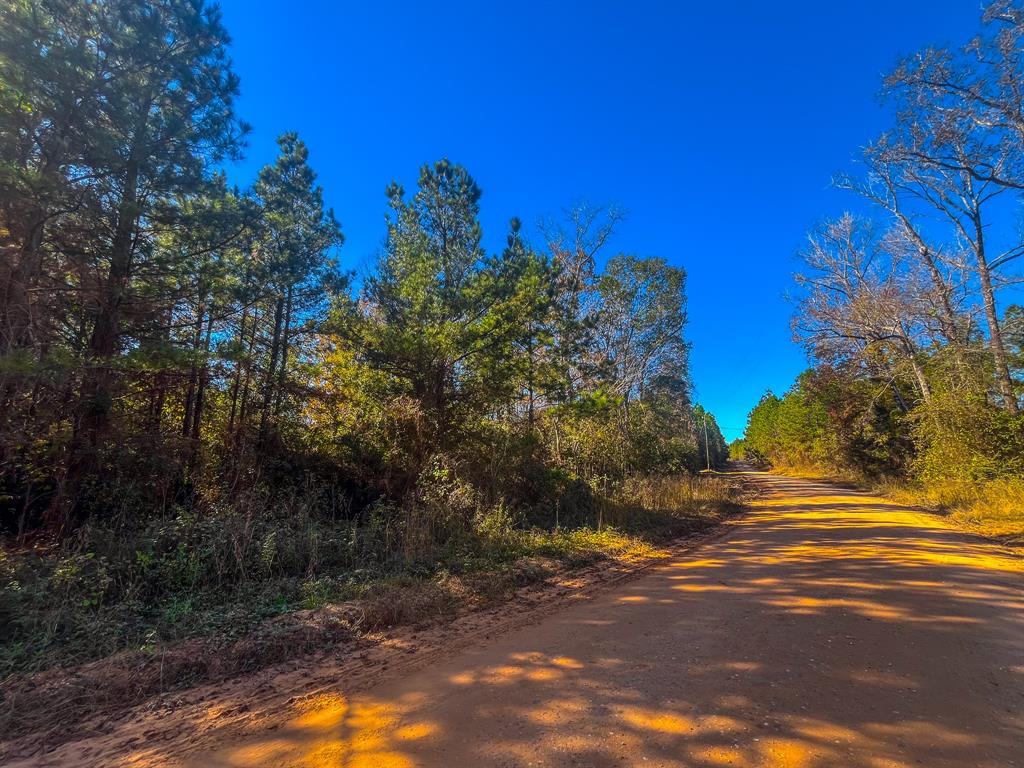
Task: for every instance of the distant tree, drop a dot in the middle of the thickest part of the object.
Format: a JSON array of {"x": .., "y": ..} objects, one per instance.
[
  {"x": 737, "y": 449},
  {"x": 638, "y": 327},
  {"x": 762, "y": 428},
  {"x": 712, "y": 450}
]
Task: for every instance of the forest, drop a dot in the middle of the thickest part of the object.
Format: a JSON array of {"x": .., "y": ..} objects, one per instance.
[
  {"x": 207, "y": 419},
  {"x": 377, "y": 431},
  {"x": 909, "y": 304}
]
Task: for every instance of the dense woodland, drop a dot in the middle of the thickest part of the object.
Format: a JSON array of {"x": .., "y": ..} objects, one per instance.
[
  {"x": 907, "y": 305},
  {"x": 195, "y": 392}
]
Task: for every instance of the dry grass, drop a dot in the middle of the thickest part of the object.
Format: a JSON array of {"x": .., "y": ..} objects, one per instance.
[
  {"x": 502, "y": 559},
  {"x": 994, "y": 509}
]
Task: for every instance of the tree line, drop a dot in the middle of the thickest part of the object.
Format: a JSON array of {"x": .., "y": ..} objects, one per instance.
[
  {"x": 907, "y": 306},
  {"x": 169, "y": 341}
]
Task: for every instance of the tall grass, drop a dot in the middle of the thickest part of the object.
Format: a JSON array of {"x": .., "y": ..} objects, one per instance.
[
  {"x": 226, "y": 568},
  {"x": 994, "y": 508}
]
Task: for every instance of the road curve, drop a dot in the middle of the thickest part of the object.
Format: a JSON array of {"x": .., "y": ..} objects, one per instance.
[{"x": 826, "y": 628}]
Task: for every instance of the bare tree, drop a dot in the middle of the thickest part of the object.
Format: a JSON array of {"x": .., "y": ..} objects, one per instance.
[
  {"x": 589, "y": 229},
  {"x": 959, "y": 146},
  {"x": 574, "y": 246},
  {"x": 965, "y": 204},
  {"x": 639, "y": 328},
  {"x": 979, "y": 85},
  {"x": 861, "y": 303},
  {"x": 882, "y": 186}
]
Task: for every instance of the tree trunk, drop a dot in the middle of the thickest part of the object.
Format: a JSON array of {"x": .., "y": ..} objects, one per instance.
[
  {"x": 948, "y": 319},
  {"x": 243, "y": 411},
  {"x": 1002, "y": 368},
  {"x": 901, "y": 403},
  {"x": 193, "y": 374},
  {"x": 16, "y": 312},
  {"x": 283, "y": 372},
  {"x": 439, "y": 387},
  {"x": 95, "y": 400},
  {"x": 529, "y": 378},
  {"x": 275, "y": 352},
  {"x": 204, "y": 379},
  {"x": 103, "y": 344},
  {"x": 922, "y": 381},
  {"x": 237, "y": 383}
]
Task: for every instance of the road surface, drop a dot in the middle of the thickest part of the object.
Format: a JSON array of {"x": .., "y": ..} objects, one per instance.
[{"x": 826, "y": 628}]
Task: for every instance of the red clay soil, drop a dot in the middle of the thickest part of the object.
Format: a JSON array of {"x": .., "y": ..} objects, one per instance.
[{"x": 825, "y": 628}]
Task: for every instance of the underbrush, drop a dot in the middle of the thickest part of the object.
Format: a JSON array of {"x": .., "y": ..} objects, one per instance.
[{"x": 230, "y": 571}]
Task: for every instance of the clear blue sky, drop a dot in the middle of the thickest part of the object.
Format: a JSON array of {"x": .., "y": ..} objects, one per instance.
[{"x": 717, "y": 126}]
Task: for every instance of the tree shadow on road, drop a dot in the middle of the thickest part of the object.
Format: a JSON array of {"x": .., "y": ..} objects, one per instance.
[{"x": 829, "y": 628}]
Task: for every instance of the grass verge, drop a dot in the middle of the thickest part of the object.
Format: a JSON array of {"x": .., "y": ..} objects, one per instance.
[
  {"x": 86, "y": 637},
  {"x": 993, "y": 509}
]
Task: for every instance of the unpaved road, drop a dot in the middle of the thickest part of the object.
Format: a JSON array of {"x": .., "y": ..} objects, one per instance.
[{"x": 826, "y": 628}]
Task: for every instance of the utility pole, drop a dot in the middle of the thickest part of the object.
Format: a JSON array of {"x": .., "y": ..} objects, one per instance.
[{"x": 707, "y": 448}]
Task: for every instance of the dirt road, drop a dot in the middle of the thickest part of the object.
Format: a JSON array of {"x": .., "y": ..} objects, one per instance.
[{"x": 826, "y": 628}]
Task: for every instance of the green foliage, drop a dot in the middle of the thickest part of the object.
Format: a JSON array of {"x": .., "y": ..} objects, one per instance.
[
  {"x": 441, "y": 319},
  {"x": 851, "y": 427},
  {"x": 203, "y": 423},
  {"x": 964, "y": 439}
]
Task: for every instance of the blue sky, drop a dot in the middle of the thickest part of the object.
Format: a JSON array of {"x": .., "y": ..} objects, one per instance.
[{"x": 716, "y": 126}]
